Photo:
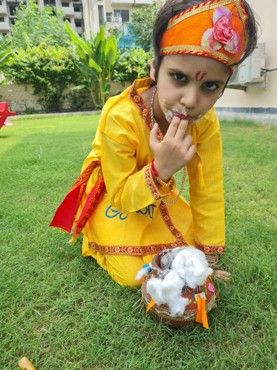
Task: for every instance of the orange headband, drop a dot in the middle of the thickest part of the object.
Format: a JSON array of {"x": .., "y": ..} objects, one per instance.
[{"x": 214, "y": 29}]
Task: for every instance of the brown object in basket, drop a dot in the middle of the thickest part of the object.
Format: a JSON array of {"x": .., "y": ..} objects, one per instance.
[{"x": 162, "y": 313}]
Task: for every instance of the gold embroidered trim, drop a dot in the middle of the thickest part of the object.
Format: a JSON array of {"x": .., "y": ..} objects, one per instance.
[
  {"x": 201, "y": 8},
  {"x": 144, "y": 109},
  {"x": 142, "y": 106},
  {"x": 152, "y": 185},
  {"x": 197, "y": 50},
  {"x": 241, "y": 10},
  {"x": 210, "y": 249},
  {"x": 180, "y": 241},
  {"x": 132, "y": 250}
]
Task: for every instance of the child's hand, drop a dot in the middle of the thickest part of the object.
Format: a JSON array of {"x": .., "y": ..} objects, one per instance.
[{"x": 174, "y": 151}]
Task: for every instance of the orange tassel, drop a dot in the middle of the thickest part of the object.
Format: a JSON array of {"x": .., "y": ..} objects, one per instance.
[
  {"x": 150, "y": 305},
  {"x": 199, "y": 310},
  {"x": 201, "y": 315},
  {"x": 204, "y": 314}
]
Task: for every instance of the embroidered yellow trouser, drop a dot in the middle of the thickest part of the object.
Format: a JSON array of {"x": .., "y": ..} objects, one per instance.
[{"x": 122, "y": 269}]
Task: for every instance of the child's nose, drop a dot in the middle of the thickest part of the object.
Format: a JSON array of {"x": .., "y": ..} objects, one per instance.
[{"x": 189, "y": 97}]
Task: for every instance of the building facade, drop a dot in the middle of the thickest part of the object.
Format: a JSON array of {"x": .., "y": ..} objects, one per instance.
[
  {"x": 111, "y": 13},
  {"x": 72, "y": 9},
  {"x": 254, "y": 87}
]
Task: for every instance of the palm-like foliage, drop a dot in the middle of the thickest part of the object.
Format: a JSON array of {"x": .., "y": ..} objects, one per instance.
[
  {"x": 96, "y": 57},
  {"x": 5, "y": 51}
]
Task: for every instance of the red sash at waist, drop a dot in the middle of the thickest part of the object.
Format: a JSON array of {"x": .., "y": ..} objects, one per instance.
[{"x": 66, "y": 212}]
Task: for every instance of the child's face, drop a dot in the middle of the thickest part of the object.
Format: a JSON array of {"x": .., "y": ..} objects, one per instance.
[{"x": 188, "y": 86}]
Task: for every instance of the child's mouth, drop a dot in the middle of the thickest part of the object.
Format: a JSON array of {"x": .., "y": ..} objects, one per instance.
[
  {"x": 182, "y": 116},
  {"x": 169, "y": 114}
]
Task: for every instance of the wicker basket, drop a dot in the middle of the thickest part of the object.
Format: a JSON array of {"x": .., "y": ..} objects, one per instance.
[{"x": 162, "y": 313}]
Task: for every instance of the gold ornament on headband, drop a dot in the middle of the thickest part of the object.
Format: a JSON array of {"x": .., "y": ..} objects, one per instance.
[{"x": 215, "y": 29}]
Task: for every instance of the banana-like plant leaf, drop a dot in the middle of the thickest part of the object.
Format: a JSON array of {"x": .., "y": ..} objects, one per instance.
[
  {"x": 86, "y": 71},
  {"x": 100, "y": 36},
  {"x": 97, "y": 57},
  {"x": 77, "y": 40},
  {"x": 111, "y": 51},
  {"x": 79, "y": 87},
  {"x": 5, "y": 58},
  {"x": 94, "y": 65}
]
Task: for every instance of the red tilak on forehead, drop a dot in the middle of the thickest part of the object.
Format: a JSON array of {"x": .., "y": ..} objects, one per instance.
[{"x": 200, "y": 75}]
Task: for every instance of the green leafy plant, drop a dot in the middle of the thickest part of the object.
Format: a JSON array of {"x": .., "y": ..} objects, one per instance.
[
  {"x": 49, "y": 69},
  {"x": 5, "y": 53},
  {"x": 132, "y": 64},
  {"x": 142, "y": 24},
  {"x": 46, "y": 25},
  {"x": 96, "y": 57}
]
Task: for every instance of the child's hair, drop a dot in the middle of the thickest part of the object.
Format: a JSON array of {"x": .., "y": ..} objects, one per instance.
[{"x": 174, "y": 7}]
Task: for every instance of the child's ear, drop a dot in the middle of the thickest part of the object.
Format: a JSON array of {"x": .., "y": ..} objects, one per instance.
[{"x": 152, "y": 70}]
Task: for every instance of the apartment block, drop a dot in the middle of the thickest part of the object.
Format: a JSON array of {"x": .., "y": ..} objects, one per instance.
[
  {"x": 73, "y": 10},
  {"x": 111, "y": 13}
]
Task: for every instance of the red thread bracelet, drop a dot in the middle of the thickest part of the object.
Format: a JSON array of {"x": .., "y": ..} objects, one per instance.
[{"x": 155, "y": 172}]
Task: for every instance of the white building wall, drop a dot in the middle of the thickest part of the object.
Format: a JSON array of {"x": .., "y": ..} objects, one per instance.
[
  {"x": 259, "y": 97},
  {"x": 91, "y": 15}
]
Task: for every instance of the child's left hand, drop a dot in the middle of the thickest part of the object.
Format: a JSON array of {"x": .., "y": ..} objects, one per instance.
[{"x": 174, "y": 151}]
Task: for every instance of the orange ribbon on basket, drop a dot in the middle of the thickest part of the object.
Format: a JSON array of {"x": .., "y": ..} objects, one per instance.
[
  {"x": 150, "y": 305},
  {"x": 201, "y": 315}
]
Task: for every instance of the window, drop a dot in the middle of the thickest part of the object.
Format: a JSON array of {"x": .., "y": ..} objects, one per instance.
[
  {"x": 78, "y": 23},
  {"x": 65, "y": 5},
  {"x": 123, "y": 14},
  {"x": 50, "y": 2},
  {"x": 12, "y": 10},
  {"x": 77, "y": 8},
  {"x": 109, "y": 17},
  {"x": 2, "y": 19},
  {"x": 101, "y": 14}
]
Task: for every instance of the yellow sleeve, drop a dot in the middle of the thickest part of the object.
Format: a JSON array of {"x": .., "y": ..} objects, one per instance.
[
  {"x": 125, "y": 158},
  {"x": 206, "y": 185}
]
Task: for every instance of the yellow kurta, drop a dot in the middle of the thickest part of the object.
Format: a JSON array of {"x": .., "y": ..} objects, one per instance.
[{"x": 132, "y": 220}]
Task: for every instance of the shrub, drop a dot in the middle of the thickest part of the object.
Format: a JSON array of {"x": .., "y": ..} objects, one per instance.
[
  {"x": 49, "y": 69},
  {"x": 142, "y": 24},
  {"x": 132, "y": 64},
  {"x": 40, "y": 25}
]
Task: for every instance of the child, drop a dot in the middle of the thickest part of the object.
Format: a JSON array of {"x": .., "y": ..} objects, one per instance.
[{"x": 128, "y": 207}]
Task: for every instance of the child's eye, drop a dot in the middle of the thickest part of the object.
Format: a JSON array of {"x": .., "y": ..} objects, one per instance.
[
  {"x": 211, "y": 86},
  {"x": 179, "y": 77}
]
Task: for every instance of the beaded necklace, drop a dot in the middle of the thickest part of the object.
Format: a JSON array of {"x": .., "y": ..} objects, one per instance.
[{"x": 174, "y": 200}]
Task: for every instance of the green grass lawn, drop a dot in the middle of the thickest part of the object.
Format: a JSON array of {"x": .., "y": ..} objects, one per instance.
[{"x": 62, "y": 311}]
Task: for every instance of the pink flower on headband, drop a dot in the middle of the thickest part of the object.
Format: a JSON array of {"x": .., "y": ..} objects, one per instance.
[{"x": 222, "y": 34}]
